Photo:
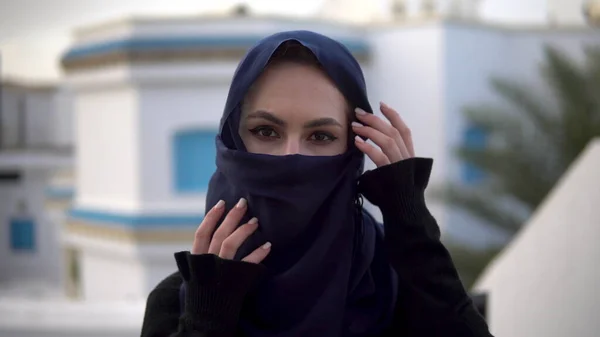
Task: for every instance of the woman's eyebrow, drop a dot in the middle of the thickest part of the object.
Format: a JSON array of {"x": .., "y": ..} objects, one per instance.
[
  {"x": 266, "y": 115},
  {"x": 262, "y": 114},
  {"x": 322, "y": 122}
]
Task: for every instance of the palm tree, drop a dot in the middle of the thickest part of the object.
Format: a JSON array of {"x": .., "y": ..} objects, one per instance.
[{"x": 531, "y": 143}]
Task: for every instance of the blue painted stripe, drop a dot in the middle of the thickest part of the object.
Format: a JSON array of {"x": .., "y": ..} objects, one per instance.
[
  {"x": 136, "y": 221},
  {"x": 181, "y": 42},
  {"x": 54, "y": 192}
]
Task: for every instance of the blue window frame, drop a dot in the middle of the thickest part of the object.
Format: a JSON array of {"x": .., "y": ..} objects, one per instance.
[
  {"x": 474, "y": 137},
  {"x": 194, "y": 160},
  {"x": 22, "y": 234}
]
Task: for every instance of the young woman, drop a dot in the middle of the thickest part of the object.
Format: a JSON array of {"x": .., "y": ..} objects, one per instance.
[{"x": 285, "y": 248}]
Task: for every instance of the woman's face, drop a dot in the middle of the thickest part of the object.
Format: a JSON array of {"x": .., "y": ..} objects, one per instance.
[{"x": 295, "y": 109}]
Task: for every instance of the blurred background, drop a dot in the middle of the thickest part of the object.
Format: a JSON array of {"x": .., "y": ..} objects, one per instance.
[{"x": 108, "y": 112}]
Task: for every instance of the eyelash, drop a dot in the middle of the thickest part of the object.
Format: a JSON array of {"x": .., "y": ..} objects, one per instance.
[{"x": 257, "y": 132}]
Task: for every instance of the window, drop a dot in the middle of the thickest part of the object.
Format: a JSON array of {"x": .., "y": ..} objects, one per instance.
[
  {"x": 474, "y": 137},
  {"x": 22, "y": 234},
  {"x": 194, "y": 160}
]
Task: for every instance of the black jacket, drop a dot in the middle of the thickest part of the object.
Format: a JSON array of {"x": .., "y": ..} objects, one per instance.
[{"x": 431, "y": 298}]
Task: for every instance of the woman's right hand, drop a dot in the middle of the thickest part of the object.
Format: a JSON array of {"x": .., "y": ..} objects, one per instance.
[{"x": 227, "y": 239}]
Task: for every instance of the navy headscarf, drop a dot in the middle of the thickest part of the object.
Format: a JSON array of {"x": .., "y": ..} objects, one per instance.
[{"x": 327, "y": 274}]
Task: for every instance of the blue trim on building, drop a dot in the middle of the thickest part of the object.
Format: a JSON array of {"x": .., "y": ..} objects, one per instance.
[
  {"x": 22, "y": 235},
  {"x": 473, "y": 137},
  {"x": 55, "y": 192},
  {"x": 181, "y": 42},
  {"x": 194, "y": 154},
  {"x": 136, "y": 221}
]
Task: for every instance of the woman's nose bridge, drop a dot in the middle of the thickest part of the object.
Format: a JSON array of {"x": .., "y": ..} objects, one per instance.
[{"x": 292, "y": 145}]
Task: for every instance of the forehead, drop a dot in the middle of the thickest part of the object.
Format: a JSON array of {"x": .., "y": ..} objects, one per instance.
[{"x": 304, "y": 91}]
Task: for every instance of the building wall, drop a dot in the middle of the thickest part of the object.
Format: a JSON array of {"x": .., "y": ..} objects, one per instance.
[
  {"x": 104, "y": 277},
  {"x": 62, "y": 123},
  {"x": 108, "y": 270},
  {"x": 167, "y": 109},
  {"x": 27, "y": 115},
  {"x": 406, "y": 72},
  {"x": 108, "y": 149},
  {"x": 41, "y": 112},
  {"x": 544, "y": 283},
  {"x": 42, "y": 265}
]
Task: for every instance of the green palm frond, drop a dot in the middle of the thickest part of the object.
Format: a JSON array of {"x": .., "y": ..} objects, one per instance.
[
  {"x": 533, "y": 139},
  {"x": 483, "y": 205}
]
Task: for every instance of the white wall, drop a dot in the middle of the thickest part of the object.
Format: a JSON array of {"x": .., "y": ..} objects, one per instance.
[
  {"x": 159, "y": 261},
  {"x": 545, "y": 283},
  {"x": 166, "y": 109},
  {"x": 107, "y": 153},
  {"x": 108, "y": 278},
  {"x": 406, "y": 72},
  {"x": 62, "y": 125},
  {"x": 109, "y": 271},
  {"x": 43, "y": 265},
  {"x": 39, "y": 111},
  {"x": 114, "y": 270}
]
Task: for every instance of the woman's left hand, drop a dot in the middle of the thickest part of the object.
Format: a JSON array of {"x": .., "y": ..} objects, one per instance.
[{"x": 394, "y": 140}]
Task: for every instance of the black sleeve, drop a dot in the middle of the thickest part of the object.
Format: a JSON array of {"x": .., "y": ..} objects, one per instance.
[
  {"x": 431, "y": 298},
  {"x": 215, "y": 292}
]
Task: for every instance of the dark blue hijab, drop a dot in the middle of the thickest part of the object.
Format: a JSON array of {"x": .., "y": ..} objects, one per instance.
[{"x": 327, "y": 273}]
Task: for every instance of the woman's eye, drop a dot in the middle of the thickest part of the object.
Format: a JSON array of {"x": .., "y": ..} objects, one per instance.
[
  {"x": 322, "y": 137},
  {"x": 264, "y": 132}
]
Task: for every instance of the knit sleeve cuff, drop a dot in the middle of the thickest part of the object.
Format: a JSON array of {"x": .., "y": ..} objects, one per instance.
[
  {"x": 398, "y": 187},
  {"x": 215, "y": 289}
]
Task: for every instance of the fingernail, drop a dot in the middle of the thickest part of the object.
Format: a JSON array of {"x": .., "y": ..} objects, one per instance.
[
  {"x": 220, "y": 204},
  {"x": 360, "y": 111},
  {"x": 358, "y": 139},
  {"x": 241, "y": 203},
  {"x": 266, "y": 245},
  {"x": 383, "y": 105},
  {"x": 253, "y": 221},
  {"x": 356, "y": 124}
]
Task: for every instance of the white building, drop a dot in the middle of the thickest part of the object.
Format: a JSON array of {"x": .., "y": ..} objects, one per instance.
[
  {"x": 545, "y": 283},
  {"x": 33, "y": 126},
  {"x": 140, "y": 102}
]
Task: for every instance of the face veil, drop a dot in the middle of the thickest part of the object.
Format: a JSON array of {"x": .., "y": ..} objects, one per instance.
[{"x": 327, "y": 274}]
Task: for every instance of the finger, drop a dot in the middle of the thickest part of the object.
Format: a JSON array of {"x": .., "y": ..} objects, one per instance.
[
  {"x": 375, "y": 154},
  {"x": 206, "y": 229},
  {"x": 259, "y": 254},
  {"x": 394, "y": 117},
  {"x": 235, "y": 240},
  {"x": 227, "y": 227},
  {"x": 386, "y": 143},
  {"x": 379, "y": 124}
]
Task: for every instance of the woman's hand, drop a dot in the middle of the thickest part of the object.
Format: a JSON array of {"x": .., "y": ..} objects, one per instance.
[
  {"x": 394, "y": 140},
  {"x": 227, "y": 239}
]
